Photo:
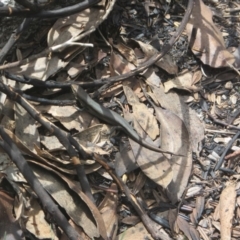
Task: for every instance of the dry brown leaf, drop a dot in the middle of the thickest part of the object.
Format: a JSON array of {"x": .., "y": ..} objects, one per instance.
[
  {"x": 165, "y": 63},
  {"x": 139, "y": 183},
  {"x": 227, "y": 207},
  {"x": 38, "y": 159},
  {"x": 176, "y": 104},
  {"x": 126, "y": 51},
  {"x": 108, "y": 209},
  {"x": 175, "y": 138},
  {"x": 206, "y": 39},
  {"x": 35, "y": 156},
  {"x": 142, "y": 114},
  {"x": 47, "y": 155},
  {"x": 190, "y": 232},
  {"x": 10, "y": 229},
  {"x": 153, "y": 164},
  {"x": 183, "y": 81},
  {"x": 81, "y": 210},
  {"x": 131, "y": 220},
  {"x": 4, "y": 161}
]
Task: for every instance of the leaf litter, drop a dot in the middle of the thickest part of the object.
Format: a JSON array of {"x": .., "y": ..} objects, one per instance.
[{"x": 107, "y": 185}]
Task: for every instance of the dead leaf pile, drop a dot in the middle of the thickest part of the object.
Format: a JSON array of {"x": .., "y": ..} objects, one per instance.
[{"x": 106, "y": 185}]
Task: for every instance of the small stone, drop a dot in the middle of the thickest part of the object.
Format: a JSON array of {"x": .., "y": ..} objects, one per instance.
[
  {"x": 224, "y": 97},
  {"x": 167, "y": 16},
  {"x": 233, "y": 99},
  {"x": 229, "y": 85}
]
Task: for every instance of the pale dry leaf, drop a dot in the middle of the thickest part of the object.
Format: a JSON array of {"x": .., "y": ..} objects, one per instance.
[
  {"x": 19, "y": 204},
  {"x": 51, "y": 143},
  {"x": 206, "y": 39},
  {"x": 40, "y": 68},
  {"x": 72, "y": 26},
  {"x": 76, "y": 66},
  {"x": 108, "y": 209},
  {"x": 176, "y": 104},
  {"x": 73, "y": 205},
  {"x": 36, "y": 223},
  {"x": 183, "y": 81},
  {"x": 227, "y": 207},
  {"x": 119, "y": 65},
  {"x": 35, "y": 156},
  {"x": 153, "y": 164},
  {"x": 131, "y": 220},
  {"x": 13, "y": 174},
  {"x": 216, "y": 214},
  {"x": 200, "y": 201},
  {"x": 203, "y": 233},
  {"x": 8, "y": 123},
  {"x": 26, "y": 128},
  {"x": 139, "y": 183},
  {"x": 197, "y": 76},
  {"x": 124, "y": 161},
  {"x": 74, "y": 186},
  {"x": 188, "y": 230},
  {"x": 216, "y": 225},
  {"x": 151, "y": 77},
  {"x": 135, "y": 232},
  {"x": 175, "y": 138},
  {"x": 70, "y": 117},
  {"x": 172, "y": 219},
  {"x": 142, "y": 114}
]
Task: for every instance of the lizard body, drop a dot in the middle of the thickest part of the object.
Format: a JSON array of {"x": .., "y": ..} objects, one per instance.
[{"x": 111, "y": 117}]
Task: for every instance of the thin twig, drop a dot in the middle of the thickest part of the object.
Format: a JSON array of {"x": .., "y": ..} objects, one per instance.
[
  {"x": 45, "y": 101},
  {"x": 62, "y": 12},
  {"x": 14, "y": 38},
  {"x": 229, "y": 126},
  {"x": 27, "y": 4},
  {"x": 221, "y": 159}
]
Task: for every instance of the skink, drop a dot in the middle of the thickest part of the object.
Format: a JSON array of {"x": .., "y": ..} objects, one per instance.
[{"x": 110, "y": 117}]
